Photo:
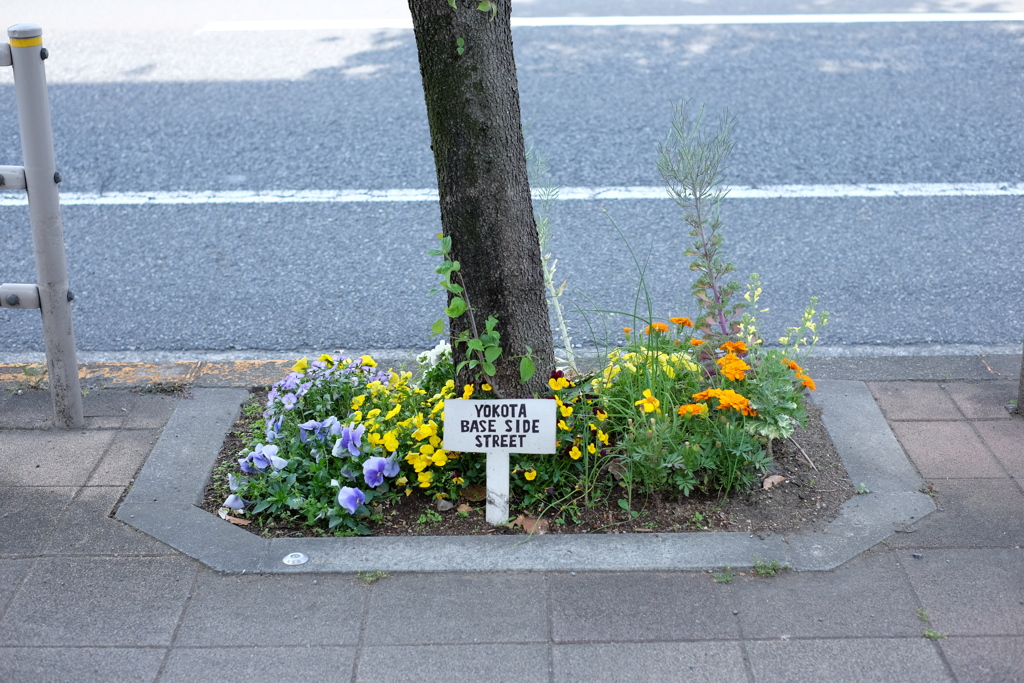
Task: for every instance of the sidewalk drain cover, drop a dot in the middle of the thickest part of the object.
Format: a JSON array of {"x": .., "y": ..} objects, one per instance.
[{"x": 295, "y": 558}]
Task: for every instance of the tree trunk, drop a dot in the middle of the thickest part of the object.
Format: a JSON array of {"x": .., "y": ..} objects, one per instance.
[{"x": 476, "y": 134}]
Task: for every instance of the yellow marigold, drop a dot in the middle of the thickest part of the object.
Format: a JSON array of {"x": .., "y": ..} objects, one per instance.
[
  {"x": 733, "y": 367},
  {"x": 657, "y": 327},
  {"x": 693, "y": 409},
  {"x": 649, "y": 403},
  {"x": 530, "y": 474},
  {"x": 682, "y": 322},
  {"x": 467, "y": 391},
  {"x": 734, "y": 347}
]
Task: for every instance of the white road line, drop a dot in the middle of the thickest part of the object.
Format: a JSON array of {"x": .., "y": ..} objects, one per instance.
[
  {"x": 871, "y": 190},
  {"x": 404, "y": 22}
]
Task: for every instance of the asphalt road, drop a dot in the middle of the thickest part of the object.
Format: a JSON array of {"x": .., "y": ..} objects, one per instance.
[{"x": 145, "y": 101}]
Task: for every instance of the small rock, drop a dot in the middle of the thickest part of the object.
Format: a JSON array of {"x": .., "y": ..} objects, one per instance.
[
  {"x": 916, "y": 556},
  {"x": 444, "y": 505}
]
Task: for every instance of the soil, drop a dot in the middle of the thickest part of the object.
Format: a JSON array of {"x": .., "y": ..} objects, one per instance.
[{"x": 814, "y": 485}]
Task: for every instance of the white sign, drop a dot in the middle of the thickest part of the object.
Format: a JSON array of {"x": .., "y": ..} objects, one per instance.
[
  {"x": 511, "y": 425},
  {"x": 499, "y": 427}
]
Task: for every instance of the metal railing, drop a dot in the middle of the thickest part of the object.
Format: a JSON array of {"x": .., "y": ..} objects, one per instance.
[{"x": 39, "y": 177}]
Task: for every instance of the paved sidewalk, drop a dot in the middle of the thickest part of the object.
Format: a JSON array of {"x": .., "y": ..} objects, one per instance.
[{"x": 84, "y": 597}]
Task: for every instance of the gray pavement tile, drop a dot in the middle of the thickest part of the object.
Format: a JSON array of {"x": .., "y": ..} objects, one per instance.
[
  {"x": 11, "y": 572},
  {"x": 150, "y": 411},
  {"x": 28, "y": 517},
  {"x": 86, "y": 528},
  {"x": 99, "y": 601},
  {"x": 914, "y": 401},
  {"x": 31, "y": 409},
  {"x": 973, "y": 513},
  {"x": 284, "y": 610},
  {"x": 417, "y": 609},
  {"x": 51, "y": 457},
  {"x": 971, "y": 592},
  {"x": 717, "y": 662},
  {"x": 505, "y": 662},
  {"x": 983, "y": 400},
  {"x": 634, "y": 606},
  {"x": 947, "y": 450},
  {"x": 1006, "y": 439},
  {"x": 79, "y": 664},
  {"x": 117, "y": 403},
  {"x": 868, "y": 596},
  {"x": 907, "y": 660},
  {"x": 124, "y": 457},
  {"x": 986, "y": 660},
  {"x": 259, "y": 663},
  {"x": 105, "y": 422}
]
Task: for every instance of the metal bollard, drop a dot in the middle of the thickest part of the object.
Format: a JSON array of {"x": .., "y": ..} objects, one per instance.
[{"x": 41, "y": 178}]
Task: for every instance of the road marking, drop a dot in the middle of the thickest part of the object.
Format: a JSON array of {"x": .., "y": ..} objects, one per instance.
[
  {"x": 870, "y": 190},
  {"x": 405, "y": 22}
]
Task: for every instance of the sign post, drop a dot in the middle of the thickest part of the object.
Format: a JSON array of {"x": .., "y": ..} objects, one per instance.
[{"x": 497, "y": 428}]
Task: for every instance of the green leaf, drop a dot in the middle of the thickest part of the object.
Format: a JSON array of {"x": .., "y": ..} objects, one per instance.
[
  {"x": 526, "y": 368},
  {"x": 491, "y": 353},
  {"x": 456, "y": 308},
  {"x": 476, "y": 345},
  {"x": 489, "y": 369},
  {"x": 452, "y": 287},
  {"x": 452, "y": 3},
  {"x": 446, "y": 241},
  {"x": 437, "y": 328},
  {"x": 436, "y": 252}
]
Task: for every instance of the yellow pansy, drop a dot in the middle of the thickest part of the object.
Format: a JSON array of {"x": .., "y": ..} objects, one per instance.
[
  {"x": 591, "y": 448},
  {"x": 367, "y": 361},
  {"x": 391, "y": 441},
  {"x": 575, "y": 453},
  {"x": 394, "y": 411},
  {"x": 566, "y": 410},
  {"x": 326, "y": 359},
  {"x": 530, "y": 474},
  {"x": 425, "y": 478},
  {"x": 649, "y": 403},
  {"x": 440, "y": 457},
  {"x": 561, "y": 425},
  {"x": 602, "y": 437},
  {"x": 301, "y": 365},
  {"x": 467, "y": 391}
]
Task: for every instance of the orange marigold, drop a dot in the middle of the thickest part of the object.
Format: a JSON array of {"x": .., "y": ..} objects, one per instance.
[
  {"x": 682, "y": 322},
  {"x": 733, "y": 367},
  {"x": 696, "y": 342},
  {"x": 792, "y": 365},
  {"x": 657, "y": 327},
  {"x": 807, "y": 381},
  {"x": 727, "y": 398},
  {"x": 734, "y": 347}
]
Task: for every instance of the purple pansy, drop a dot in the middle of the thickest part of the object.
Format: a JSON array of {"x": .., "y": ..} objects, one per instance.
[
  {"x": 351, "y": 437},
  {"x": 235, "y": 503},
  {"x": 289, "y": 400},
  {"x": 376, "y": 468},
  {"x": 265, "y": 456},
  {"x": 350, "y": 498}
]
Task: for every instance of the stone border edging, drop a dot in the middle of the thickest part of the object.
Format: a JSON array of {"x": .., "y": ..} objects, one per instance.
[{"x": 163, "y": 503}]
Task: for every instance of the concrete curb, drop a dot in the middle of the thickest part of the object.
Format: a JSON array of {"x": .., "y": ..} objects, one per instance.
[{"x": 163, "y": 501}]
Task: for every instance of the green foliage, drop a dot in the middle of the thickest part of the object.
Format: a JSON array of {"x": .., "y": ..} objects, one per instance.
[
  {"x": 726, "y": 576},
  {"x": 766, "y": 569},
  {"x": 372, "y": 576}
]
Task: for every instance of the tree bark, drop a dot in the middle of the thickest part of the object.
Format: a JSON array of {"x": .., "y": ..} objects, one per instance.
[{"x": 476, "y": 134}]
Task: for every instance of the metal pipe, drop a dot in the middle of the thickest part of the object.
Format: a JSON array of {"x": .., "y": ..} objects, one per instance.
[{"x": 41, "y": 178}]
